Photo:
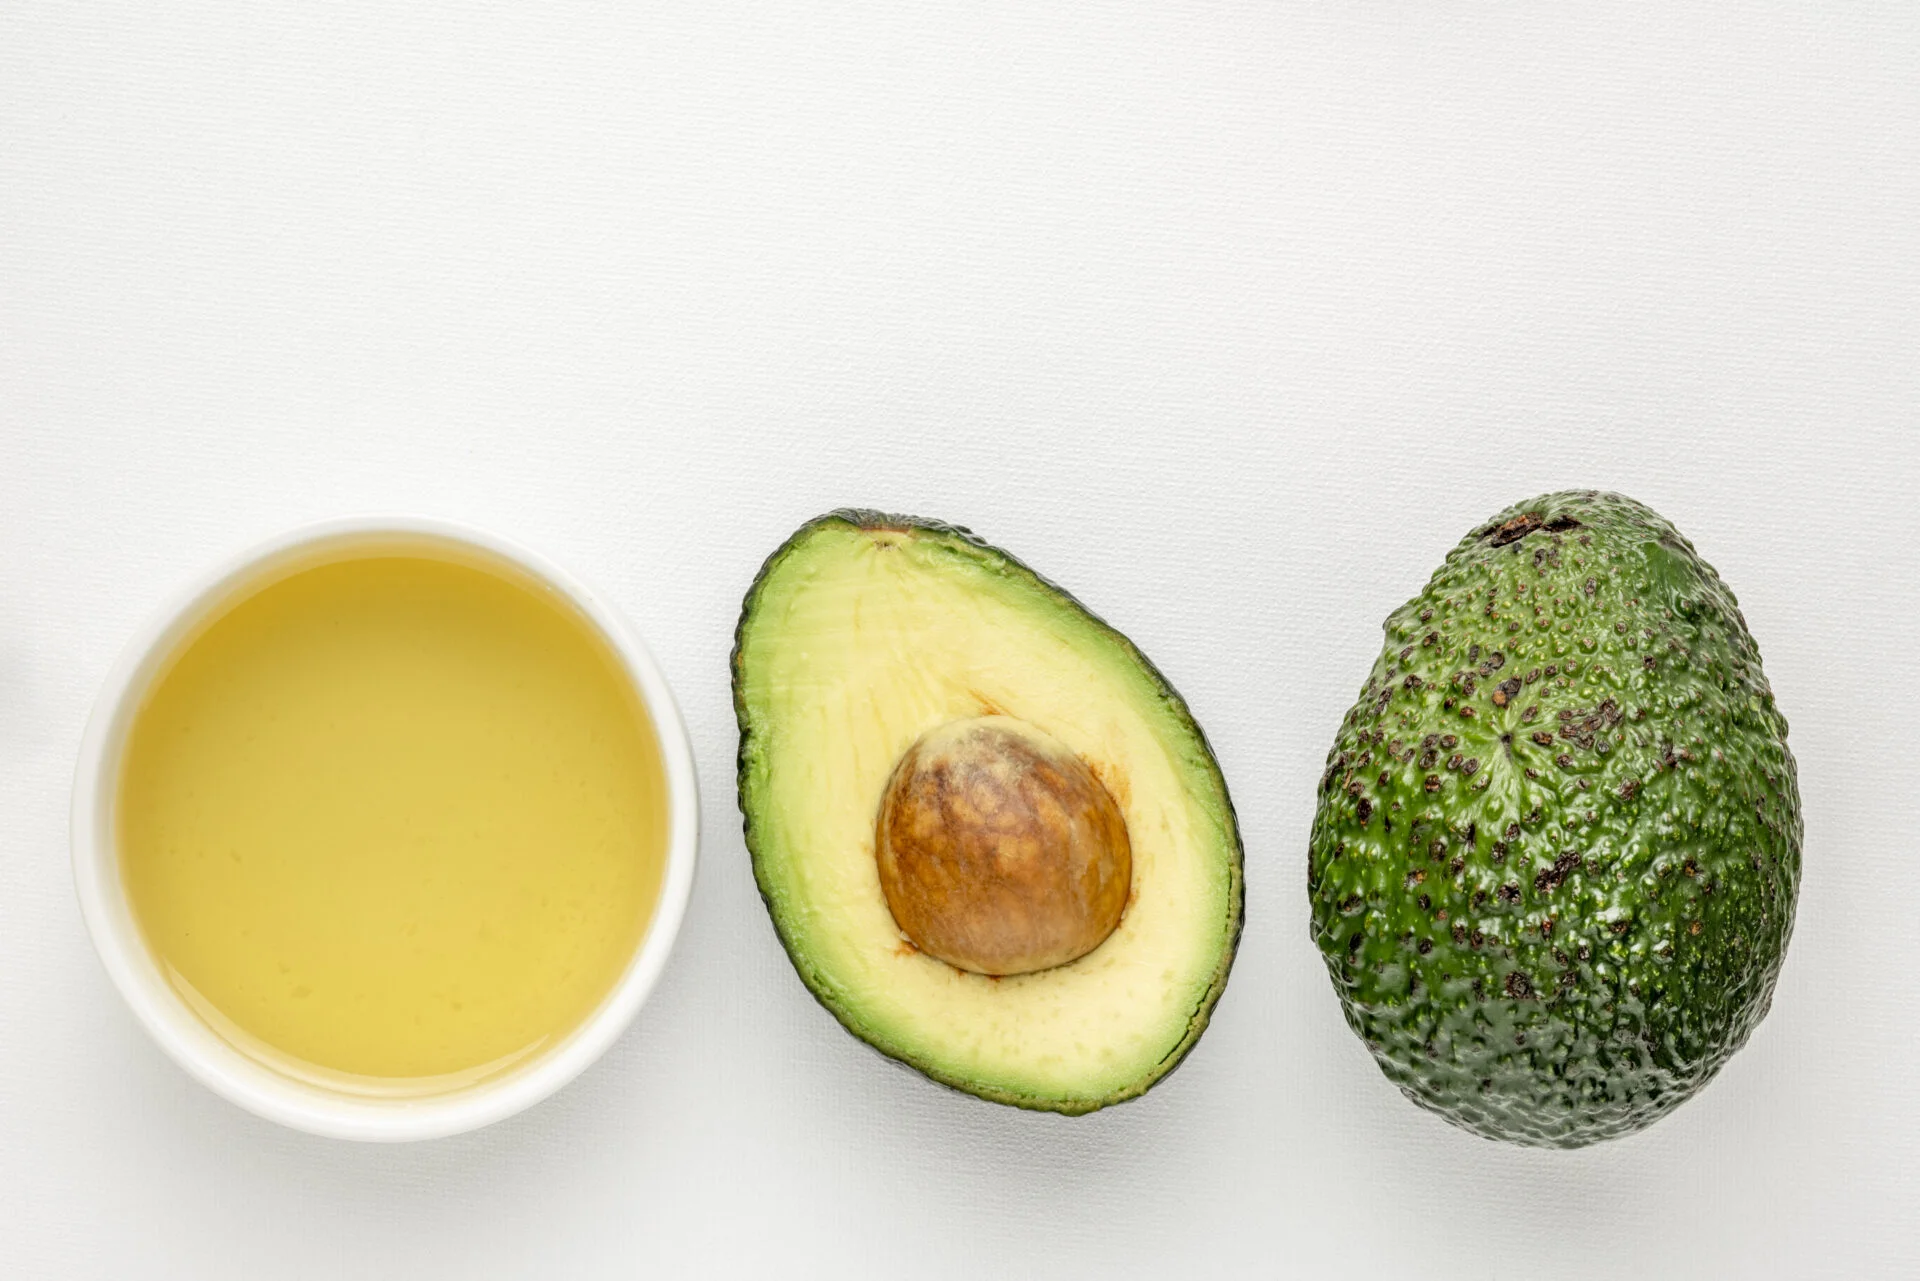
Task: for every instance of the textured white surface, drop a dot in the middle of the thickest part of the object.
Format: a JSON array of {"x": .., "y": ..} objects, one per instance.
[{"x": 1231, "y": 317}]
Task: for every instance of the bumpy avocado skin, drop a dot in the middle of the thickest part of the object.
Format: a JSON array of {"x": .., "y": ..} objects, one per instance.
[
  {"x": 967, "y": 543},
  {"x": 1557, "y": 848}
]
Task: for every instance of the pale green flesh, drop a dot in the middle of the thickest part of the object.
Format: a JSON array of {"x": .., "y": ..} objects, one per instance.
[{"x": 856, "y": 642}]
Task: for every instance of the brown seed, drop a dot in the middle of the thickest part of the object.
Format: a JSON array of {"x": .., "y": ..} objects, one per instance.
[{"x": 999, "y": 850}]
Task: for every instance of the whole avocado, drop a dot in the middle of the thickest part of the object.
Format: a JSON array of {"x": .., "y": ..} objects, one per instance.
[{"x": 1557, "y": 848}]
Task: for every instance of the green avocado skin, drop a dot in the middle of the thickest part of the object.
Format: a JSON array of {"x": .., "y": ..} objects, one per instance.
[{"x": 1557, "y": 846}]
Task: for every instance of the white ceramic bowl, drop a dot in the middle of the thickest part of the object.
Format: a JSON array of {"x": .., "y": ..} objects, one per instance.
[{"x": 192, "y": 1043}]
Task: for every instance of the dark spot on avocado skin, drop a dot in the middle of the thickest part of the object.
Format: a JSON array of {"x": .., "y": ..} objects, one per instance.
[
  {"x": 1625, "y": 928},
  {"x": 1512, "y": 531},
  {"x": 1552, "y": 878}
]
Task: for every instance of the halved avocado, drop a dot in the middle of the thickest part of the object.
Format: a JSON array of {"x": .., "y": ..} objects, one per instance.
[{"x": 913, "y": 700}]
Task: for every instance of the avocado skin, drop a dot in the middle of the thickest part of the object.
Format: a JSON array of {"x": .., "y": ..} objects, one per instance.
[
  {"x": 1552, "y": 927},
  {"x": 965, "y": 542}
]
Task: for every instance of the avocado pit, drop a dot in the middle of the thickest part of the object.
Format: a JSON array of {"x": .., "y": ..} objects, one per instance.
[{"x": 999, "y": 850}]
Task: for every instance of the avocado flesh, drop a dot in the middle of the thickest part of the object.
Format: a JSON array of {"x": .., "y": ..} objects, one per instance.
[
  {"x": 1557, "y": 847},
  {"x": 865, "y": 631}
]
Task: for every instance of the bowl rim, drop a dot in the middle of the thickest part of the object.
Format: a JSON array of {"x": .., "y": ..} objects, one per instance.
[{"x": 181, "y": 1033}]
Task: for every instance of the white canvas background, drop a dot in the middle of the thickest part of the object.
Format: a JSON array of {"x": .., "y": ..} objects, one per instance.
[{"x": 1230, "y": 317}]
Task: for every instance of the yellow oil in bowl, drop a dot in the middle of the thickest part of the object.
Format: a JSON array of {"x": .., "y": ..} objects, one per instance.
[{"x": 393, "y": 823}]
